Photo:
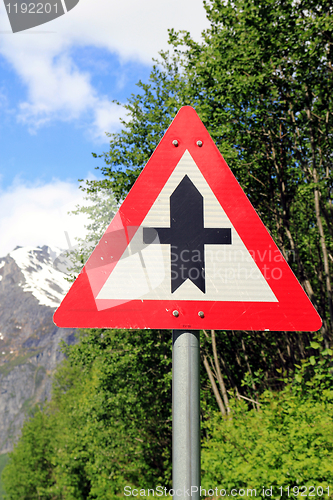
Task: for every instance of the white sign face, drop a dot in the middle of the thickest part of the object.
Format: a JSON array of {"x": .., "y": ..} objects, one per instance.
[{"x": 145, "y": 270}]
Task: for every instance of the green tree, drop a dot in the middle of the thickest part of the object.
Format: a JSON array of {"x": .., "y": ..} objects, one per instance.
[
  {"x": 29, "y": 474},
  {"x": 287, "y": 444},
  {"x": 125, "y": 434},
  {"x": 100, "y": 208},
  {"x": 108, "y": 424},
  {"x": 3, "y": 462},
  {"x": 262, "y": 82}
]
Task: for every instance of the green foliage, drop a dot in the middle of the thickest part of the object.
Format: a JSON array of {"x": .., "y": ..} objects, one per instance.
[
  {"x": 261, "y": 81},
  {"x": 29, "y": 473},
  {"x": 100, "y": 208},
  {"x": 3, "y": 462},
  {"x": 128, "y": 411},
  {"x": 108, "y": 424},
  {"x": 287, "y": 443},
  {"x": 315, "y": 374}
]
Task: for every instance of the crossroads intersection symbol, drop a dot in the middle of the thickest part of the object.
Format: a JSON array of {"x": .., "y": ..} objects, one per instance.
[{"x": 187, "y": 236}]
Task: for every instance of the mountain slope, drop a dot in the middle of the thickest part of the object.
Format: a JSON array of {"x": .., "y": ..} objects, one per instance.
[{"x": 30, "y": 290}]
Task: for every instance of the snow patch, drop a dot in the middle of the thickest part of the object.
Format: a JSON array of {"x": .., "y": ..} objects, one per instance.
[
  {"x": 1, "y": 266},
  {"x": 46, "y": 283}
]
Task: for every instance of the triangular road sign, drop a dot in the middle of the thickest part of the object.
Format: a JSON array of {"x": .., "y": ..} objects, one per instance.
[{"x": 187, "y": 250}]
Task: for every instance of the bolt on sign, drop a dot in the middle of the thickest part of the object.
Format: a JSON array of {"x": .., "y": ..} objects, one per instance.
[{"x": 187, "y": 250}]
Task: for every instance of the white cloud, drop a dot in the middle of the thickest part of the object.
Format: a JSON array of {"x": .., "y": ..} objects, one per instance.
[
  {"x": 106, "y": 118},
  {"x": 37, "y": 214},
  {"x": 133, "y": 29},
  {"x": 56, "y": 87}
]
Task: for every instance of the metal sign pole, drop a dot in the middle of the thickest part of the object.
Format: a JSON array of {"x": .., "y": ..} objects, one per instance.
[{"x": 186, "y": 414}]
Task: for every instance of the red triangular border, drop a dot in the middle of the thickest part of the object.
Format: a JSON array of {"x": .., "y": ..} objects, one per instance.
[{"x": 293, "y": 311}]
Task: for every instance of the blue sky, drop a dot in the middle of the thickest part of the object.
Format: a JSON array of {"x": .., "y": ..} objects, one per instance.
[
  {"x": 61, "y": 148},
  {"x": 57, "y": 84}
]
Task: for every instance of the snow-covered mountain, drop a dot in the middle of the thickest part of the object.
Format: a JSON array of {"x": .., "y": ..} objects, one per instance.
[
  {"x": 31, "y": 288},
  {"x": 41, "y": 277}
]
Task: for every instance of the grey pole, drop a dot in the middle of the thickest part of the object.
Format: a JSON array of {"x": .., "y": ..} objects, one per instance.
[{"x": 186, "y": 414}]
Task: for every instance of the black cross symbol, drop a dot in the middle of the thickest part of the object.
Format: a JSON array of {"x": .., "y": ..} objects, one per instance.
[{"x": 187, "y": 236}]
